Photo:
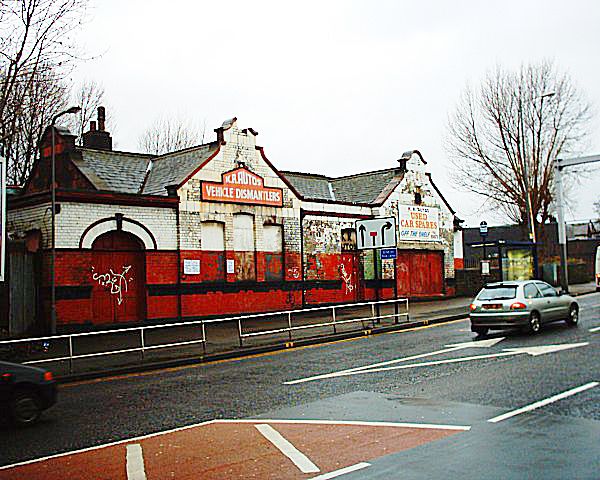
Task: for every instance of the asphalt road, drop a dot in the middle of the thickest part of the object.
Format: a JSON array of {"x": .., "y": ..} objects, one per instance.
[{"x": 557, "y": 439}]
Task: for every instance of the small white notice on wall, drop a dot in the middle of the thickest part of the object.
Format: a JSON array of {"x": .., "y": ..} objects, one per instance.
[
  {"x": 230, "y": 266},
  {"x": 191, "y": 267}
]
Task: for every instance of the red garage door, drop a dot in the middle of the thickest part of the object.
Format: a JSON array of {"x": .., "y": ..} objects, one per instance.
[
  {"x": 118, "y": 292},
  {"x": 420, "y": 273}
]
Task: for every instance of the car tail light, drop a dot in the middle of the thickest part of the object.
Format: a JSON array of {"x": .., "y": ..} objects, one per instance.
[
  {"x": 6, "y": 376},
  {"x": 48, "y": 376},
  {"x": 518, "y": 306},
  {"x": 472, "y": 307}
]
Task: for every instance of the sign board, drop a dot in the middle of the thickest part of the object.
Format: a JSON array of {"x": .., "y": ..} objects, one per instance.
[
  {"x": 376, "y": 233},
  {"x": 242, "y": 186},
  {"x": 419, "y": 224},
  {"x": 485, "y": 267},
  {"x": 191, "y": 267},
  {"x": 483, "y": 229},
  {"x": 230, "y": 266},
  {"x": 2, "y": 212},
  {"x": 388, "y": 253}
]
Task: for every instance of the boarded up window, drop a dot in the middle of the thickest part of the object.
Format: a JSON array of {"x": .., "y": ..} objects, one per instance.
[
  {"x": 273, "y": 241},
  {"x": 213, "y": 238},
  {"x": 212, "y": 265},
  {"x": 243, "y": 246}
]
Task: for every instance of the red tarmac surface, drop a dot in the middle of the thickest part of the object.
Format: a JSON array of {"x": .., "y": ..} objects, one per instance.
[{"x": 234, "y": 449}]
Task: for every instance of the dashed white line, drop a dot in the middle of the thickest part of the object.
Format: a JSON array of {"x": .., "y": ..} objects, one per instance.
[
  {"x": 595, "y": 329},
  {"x": 342, "y": 471},
  {"x": 285, "y": 447},
  {"x": 135, "y": 462},
  {"x": 541, "y": 403}
]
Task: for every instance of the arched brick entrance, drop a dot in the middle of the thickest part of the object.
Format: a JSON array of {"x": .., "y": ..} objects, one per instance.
[{"x": 119, "y": 274}]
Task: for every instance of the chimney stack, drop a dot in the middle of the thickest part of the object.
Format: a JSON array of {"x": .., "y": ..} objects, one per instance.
[{"x": 98, "y": 138}]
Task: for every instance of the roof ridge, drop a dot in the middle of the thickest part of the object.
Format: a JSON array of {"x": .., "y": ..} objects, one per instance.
[
  {"x": 184, "y": 150},
  {"x": 118, "y": 152},
  {"x": 343, "y": 177}
]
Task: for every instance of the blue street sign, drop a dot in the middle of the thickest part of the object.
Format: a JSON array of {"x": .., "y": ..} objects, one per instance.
[{"x": 388, "y": 253}]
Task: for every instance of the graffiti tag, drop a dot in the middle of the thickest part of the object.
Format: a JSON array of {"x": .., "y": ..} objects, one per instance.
[
  {"x": 294, "y": 272},
  {"x": 347, "y": 278},
  {"x": 115, "y": 281}
]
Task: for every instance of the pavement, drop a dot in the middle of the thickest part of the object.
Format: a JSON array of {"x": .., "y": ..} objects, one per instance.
[{"x": 223, "y": 340}]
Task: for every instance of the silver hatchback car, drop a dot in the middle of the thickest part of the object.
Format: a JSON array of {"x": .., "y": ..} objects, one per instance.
[{"x": 525, "y": 304}]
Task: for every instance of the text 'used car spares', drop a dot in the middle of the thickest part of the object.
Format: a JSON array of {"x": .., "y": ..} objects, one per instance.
[
  {"x": 242, "y": 186},
  {"x": 419, "y": 223}
]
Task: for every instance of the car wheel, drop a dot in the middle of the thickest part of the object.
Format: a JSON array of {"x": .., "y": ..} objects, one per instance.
[
  {"x": 534, "y": 323},
  {"x": 480, "y": 331},
  {"x": 25, "y": 408},
  {"x": 573, "y": 316}
]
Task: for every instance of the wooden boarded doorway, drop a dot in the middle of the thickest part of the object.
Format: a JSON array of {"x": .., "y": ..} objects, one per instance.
[{"x": 119, "y": 278}]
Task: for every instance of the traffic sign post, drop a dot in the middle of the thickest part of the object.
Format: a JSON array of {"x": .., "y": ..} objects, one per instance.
[
  {"x": 485, "y": 264},
  {"x": 375, "y": 234}
]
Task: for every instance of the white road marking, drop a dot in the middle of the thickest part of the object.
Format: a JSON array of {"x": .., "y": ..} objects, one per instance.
[
  {"x": 457, "y": 346},
  {"x": 349, "y": 423},
  {"x": 595, "y": 329},
  {"x": 285, "y": 447},
  {"x": 342, "y": 471},
  {"x": 534, "y": 351},
  {"x": 135, "y": 462},
  {"x": 541, "y": 403},
  {"x": 213, "y": 422}
]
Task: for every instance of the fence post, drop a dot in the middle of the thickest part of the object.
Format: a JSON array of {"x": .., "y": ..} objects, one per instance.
[
  {"x": 240, "y": 331},
  {"x": 333, "y": 315},
  {"x": 70, "y": 354},
  {"x": 203, "y": 338},
  {"x": 143, "y": 343},
  {"x": 290, "y": 326},
  {"x": 373, "y": 315}
]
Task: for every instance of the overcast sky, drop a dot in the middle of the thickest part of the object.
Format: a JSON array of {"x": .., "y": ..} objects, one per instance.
[{"x": 332, "y": 87}]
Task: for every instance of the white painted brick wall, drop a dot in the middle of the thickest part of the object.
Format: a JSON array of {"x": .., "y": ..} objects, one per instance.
[
  {"x": 74, "y": 218},
  {"x": 239, "y": 146}
]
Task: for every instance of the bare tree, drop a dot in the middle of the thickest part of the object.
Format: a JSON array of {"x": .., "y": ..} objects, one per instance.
[
  {"x": 89, "y": 96},
  {"x": 168, "y": 135},
  {"x": 503, "y": 138},
  {"x": 36, "y": 52},
  {"x": 41, "y": 101}
]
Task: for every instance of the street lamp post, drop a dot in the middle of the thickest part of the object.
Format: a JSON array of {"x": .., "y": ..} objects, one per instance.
[
  {"x": 559, "y": 165},
  {"x": 528, "y": 207},
  {"x": 53, "y": 214}
]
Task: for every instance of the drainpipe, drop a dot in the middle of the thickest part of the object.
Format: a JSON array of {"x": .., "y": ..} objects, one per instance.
[{"x": 172, "y": 192}]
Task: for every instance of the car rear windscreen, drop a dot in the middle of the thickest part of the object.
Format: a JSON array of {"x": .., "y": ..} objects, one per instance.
[{"x": 497, "y": 293}]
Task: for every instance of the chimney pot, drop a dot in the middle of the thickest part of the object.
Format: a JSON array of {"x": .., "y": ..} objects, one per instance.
[{"x": 101, "y": 118}]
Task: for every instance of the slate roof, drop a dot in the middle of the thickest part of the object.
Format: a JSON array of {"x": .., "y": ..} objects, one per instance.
[
  {"x": 113, "y": 171},
  {"x": 364, "y": 188},
  {"x": 310, "y": 186},
  {"x": 174, "y": 168}
]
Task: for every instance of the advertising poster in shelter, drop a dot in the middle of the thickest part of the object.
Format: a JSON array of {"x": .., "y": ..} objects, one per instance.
[{"x": 418, "y": 224}]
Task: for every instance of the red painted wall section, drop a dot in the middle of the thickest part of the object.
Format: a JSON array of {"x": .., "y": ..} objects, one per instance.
[
  {"x": 73, "y": 269},
  {"x": 161, "y": 269},
  {"x": 245, "y": 301},
  {"x": 342, "y": 268},
  {"x": 212, "y": 266},
  {"x": 293, "y": 267}
]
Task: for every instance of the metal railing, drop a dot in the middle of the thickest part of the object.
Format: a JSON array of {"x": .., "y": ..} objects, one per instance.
[{"x": 248, "y": 326}]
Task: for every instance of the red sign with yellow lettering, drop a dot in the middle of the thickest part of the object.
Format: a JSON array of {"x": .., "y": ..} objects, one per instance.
[{"x": 242, "y": 186}]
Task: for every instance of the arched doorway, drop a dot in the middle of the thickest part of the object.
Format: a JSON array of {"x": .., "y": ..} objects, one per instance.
[{"x": 119, "y": 278}]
